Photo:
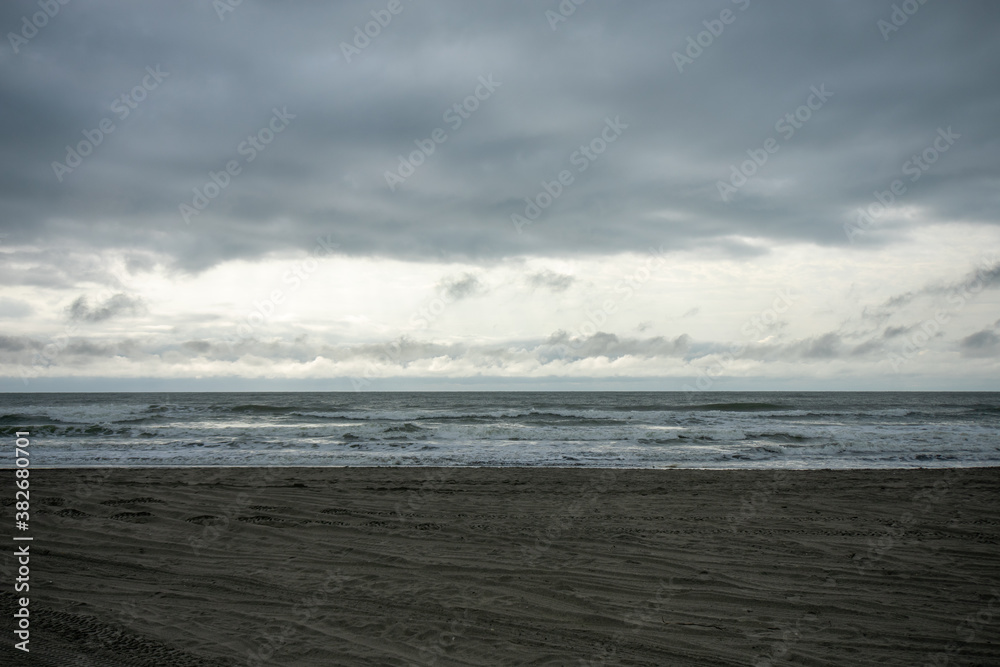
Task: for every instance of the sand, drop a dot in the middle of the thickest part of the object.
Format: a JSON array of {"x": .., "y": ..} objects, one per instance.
[{"x": 378, "y": 566}]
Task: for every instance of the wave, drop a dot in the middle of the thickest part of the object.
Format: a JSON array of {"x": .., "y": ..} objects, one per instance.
[
  {"x": 659, "y": 441},
  {"x": 18, "y": 418},
  {"x": 565, "y": 418},
  {"x": 405, "y": 428},
  {"x": 257, "y": 408},
  {"x": 728, "y": 407},
  {"x": 778, "y": 437},
  {"x": 326, "y": 415}
]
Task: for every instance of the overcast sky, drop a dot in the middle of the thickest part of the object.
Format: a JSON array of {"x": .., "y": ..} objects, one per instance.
[{"x": 735, "y": 194}]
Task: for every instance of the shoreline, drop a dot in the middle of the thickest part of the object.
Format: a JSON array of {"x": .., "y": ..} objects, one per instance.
[{"x": 489, "y": 467}]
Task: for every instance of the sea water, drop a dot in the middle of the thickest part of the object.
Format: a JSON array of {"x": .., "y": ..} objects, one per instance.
[{"x": 566, "y": 429}]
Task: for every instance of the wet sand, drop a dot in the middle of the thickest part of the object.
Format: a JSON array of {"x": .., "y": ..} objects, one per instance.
[{"x": 379, "y": 566}]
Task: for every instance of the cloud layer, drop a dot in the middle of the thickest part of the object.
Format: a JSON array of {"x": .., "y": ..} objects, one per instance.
[
  {"x": 477, "y": 157},
  {"x": 220, "y": 84}
]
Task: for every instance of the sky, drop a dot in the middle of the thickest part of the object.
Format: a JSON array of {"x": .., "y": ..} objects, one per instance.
[{"x": 579, "y": 195}]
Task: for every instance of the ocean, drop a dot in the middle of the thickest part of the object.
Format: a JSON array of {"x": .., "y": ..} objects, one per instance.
[{"x": 561, "y": 429}]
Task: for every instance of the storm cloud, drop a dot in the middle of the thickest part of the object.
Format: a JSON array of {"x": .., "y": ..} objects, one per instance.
[
  {"x": 494, "y": 172},
  {"x": 117, "y": 304},
  {"x": 218, "y": 85}
]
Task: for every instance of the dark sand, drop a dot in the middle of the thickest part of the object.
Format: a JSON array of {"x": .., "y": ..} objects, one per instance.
[{"x": 379, "y": 566}]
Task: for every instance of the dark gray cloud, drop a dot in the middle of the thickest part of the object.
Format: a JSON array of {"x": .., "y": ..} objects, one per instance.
[
  {"x": 217, "y": 82},
  {"x": 893, "y": 332},
  {"x": 601, "y": 344},
  {"x": 118, "y": 304},
  {"x": 557, "y": 282},
  {"x": 558, "y": 348},
  {"x": 198, "y": 346},
  {"x": 555, "y": 354},
  {"x": 956, "y": 293},
  {"x": 255, "y": 136},
  {"x": 16, "y": 343},
  {"x": 985, "y": 343},
  {"x": 826, "y": 346},
  {"x": 461, "y": 287}
]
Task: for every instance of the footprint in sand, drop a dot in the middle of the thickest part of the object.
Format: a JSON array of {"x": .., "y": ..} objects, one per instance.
[
  {"x": 132, "y": 501},
  {"x": 132, "y": 517},
  {"x": 206, "y": 520},
  {"x": 264, "y": 520}
]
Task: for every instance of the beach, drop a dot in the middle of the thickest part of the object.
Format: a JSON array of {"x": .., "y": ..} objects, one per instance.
[{"x": 507, "y": 566}]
